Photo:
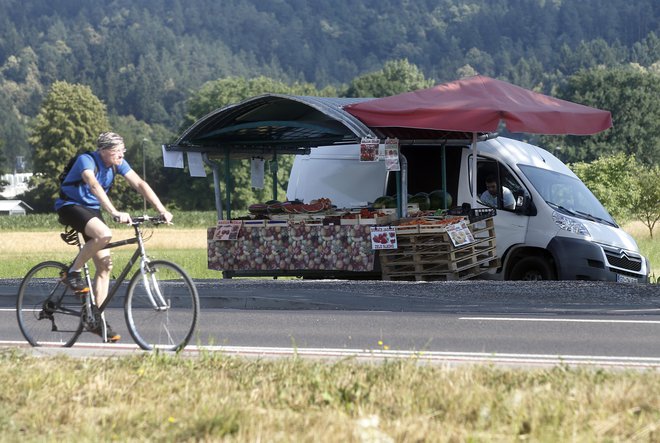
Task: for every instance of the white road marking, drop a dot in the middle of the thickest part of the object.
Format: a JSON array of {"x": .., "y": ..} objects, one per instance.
[
  {"x": 561, "y": 320},
  {"x": 544, "y": 360}
]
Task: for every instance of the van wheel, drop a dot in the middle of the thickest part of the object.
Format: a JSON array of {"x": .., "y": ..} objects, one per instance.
[{"x": 532, "y": 268}]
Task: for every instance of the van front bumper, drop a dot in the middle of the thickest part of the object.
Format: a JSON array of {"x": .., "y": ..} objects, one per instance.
[{"x": 579, "y": 259}]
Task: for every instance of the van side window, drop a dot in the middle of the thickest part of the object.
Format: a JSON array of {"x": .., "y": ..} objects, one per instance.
[{"x": 496, "y": 186}]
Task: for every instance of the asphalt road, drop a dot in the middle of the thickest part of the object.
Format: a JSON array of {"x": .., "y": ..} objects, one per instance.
[{"x": 502, "y": 322}]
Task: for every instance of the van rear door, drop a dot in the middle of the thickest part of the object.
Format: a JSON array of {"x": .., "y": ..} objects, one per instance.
[{"x": 336, "y": 172}]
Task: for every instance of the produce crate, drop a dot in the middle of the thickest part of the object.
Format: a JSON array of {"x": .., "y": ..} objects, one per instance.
[
  {"x": 432, "y": 255},
  {"x": 474, "y": 215},
  {"x": 254, "y": 223}
]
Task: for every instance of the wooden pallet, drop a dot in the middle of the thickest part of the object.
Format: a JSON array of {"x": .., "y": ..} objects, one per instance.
[{"x": 432, "y": 256}]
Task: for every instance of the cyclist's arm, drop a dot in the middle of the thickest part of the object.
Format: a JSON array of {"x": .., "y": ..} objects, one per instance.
[
  {"x": 145, "y": 190},
  {"x": 98, "y": 191}
]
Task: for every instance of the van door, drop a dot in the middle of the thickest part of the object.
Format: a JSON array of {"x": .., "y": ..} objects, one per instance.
[{"x": 498, "y": 187}]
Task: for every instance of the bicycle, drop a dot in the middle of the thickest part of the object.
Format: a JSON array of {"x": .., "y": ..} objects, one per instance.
[{"x": 161, "y": 307}]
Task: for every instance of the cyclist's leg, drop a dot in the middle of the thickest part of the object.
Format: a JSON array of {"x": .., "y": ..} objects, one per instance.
[
  {"x": 103, "y": 265},
  {"x": 100, "y": 234},
  {"x": 90, "y": 223},
  {"x": 97, "y": 235}
]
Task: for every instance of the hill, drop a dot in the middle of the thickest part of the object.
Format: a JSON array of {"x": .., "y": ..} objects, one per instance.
[{"x": 144, "y": 58}]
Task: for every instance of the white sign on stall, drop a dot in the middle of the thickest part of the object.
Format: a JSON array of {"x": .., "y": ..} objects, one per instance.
[
  {"x": 392, "y": 154},
  {"x": 257, "y": 172},
  {"x": 460, "y": 234},
  {"x": 172, "y": 159},
  {"x": 196, "y": 165},
  {"x": 383, "y": 237},
  {"x": 369, "y": 149}
]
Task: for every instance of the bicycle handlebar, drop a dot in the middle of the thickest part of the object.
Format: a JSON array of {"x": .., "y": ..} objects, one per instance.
[{"x": 140, "y": 219}]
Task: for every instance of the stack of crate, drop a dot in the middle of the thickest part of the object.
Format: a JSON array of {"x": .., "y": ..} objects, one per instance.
[{"x": 426, "y": 252}]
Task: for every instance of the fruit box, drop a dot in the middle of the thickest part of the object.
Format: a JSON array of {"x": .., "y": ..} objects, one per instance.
[
  {"x": 254, "y": 223},
  {"x": 271, "y": 223},
  {"x": 382, "y": 220},
  {"x": 407, "y": 229}
]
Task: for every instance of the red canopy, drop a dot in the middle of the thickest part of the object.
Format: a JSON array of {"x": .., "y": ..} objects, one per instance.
[{"x": 477, "y": 104}]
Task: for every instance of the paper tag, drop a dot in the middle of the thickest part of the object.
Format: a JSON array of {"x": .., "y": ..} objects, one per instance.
[
  {"x": 383, "y": 237},
  {"x": 172, "y": 159},
  {"x": 460, "y": 234},
  {"x": 227, "y": 230},
  {"x": 392, "y": 154},
  {"x": 369, "y": 150}
]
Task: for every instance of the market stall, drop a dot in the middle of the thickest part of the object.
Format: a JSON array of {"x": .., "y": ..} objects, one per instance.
[
  {"x": 429, "y": 245},
  {"x": 317, "y": 238}
]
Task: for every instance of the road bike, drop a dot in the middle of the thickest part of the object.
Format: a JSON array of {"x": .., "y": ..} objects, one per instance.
[{"x": 161, "y": 306}]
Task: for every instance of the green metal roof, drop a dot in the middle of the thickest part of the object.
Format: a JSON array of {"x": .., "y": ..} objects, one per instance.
[{"x": 274, "y": 123}]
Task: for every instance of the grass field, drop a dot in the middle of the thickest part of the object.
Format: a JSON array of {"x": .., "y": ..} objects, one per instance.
[
  {"x": 219, "y": 398},
  {"x": 26, "y": 241},
  {"x": 215, "y": 397}
]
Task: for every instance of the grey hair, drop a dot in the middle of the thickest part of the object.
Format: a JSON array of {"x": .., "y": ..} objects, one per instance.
[{"x": 108, "y": 140}]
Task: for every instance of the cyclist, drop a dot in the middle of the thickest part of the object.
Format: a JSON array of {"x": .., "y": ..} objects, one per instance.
[{"x": 83, "y": 195}]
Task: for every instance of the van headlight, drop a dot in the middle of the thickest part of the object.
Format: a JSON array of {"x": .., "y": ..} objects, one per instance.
[{"x": 570, "y": 224}]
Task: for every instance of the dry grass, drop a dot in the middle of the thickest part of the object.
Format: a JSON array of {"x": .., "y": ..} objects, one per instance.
[
  {"x": 649, "y": 246},
  {"x": 219, "y": 398},
  {"x": 19, "y": 251},
  {"x": 639, "y": 230},
  {"x": 36, "y": 242}
]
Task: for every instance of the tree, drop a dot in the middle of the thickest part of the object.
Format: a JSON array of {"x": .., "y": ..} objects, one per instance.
[
  {"x": 631, "y": 95},
  {"x": 69, "y": 121},
  {"x": 646, "y": 204},
  {"x": 612, "y": 179},
  {"x": 3, "y": 167},
  {"x": 396, "y": 77}
]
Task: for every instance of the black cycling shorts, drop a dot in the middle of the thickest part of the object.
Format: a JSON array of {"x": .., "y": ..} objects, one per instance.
[{"x": 77, "y": 217}]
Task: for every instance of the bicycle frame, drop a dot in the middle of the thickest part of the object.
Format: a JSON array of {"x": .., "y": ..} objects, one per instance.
[{"x": 140, "y": 253}]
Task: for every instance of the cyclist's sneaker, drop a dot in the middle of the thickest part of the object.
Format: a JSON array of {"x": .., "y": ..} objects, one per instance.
[
  {"x": 111, "y": 335},
  {"x": 75, "y": 281}
]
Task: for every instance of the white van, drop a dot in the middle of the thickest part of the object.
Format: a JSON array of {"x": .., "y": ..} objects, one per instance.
[{"x": 555, "y": 229}]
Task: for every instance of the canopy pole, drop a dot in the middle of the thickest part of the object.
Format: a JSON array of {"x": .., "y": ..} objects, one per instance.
[
  {"x": 228, "y": 183},
  {"x": 397, "y": 174},
  {"x": 404, "y": 185},
  {"x": 216, "y": 184},
  {"x": 274, "y": 169},
  {"x": 444, "y": 174},
  {"x": 474, "y": 170}
]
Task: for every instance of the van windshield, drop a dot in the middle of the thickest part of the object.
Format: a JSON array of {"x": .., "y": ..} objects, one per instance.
[{"x": 567, "y": 194}]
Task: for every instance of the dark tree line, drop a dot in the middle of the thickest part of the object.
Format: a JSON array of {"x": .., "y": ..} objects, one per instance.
[
  {"x": 154, "y": 64},
  {"x": 143, "y": 58}
]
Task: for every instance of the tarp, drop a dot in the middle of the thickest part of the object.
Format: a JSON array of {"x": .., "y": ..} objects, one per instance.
[{"x": 478, "y": 104}]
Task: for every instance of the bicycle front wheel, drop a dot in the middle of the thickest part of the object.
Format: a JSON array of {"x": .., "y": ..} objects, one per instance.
[
  {"x": 48, "y": 311},
  {"x": 161, "y": 307}
]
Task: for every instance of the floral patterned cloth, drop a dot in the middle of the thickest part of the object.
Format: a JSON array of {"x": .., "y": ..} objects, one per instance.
[{"x": 294, "y": 247}]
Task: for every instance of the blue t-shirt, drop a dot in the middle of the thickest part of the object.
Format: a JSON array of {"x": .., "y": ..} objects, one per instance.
[{"x": 78, "y": 192}]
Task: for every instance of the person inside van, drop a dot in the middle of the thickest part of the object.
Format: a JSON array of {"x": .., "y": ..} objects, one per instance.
[{"x": 490, "y": 195}]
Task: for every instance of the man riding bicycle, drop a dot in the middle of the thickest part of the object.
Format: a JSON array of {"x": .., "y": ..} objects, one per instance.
[{"x": 83, "y": 195}]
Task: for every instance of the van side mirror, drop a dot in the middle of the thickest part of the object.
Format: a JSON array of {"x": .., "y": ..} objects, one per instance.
[{"x": 524, "y": 205}]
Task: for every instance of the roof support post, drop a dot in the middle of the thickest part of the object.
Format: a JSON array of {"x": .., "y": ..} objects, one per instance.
[
  {"x": 443, "y": 157},
  {"x": 216, "y": 184},
  {"x": 403, "y": 192},
  {"x": 274, "y": 168},
  {"x": 228, "y": 182}
]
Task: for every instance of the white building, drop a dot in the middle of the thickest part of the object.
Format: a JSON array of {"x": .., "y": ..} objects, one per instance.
[
  {"x": 14, "y": 207},
  {"x": 18, "y": 184}
]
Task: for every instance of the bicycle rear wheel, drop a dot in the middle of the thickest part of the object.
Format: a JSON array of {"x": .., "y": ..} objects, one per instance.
[
  {"x": 48, "y": 311},
  {"x": 161, "y": 307}
]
